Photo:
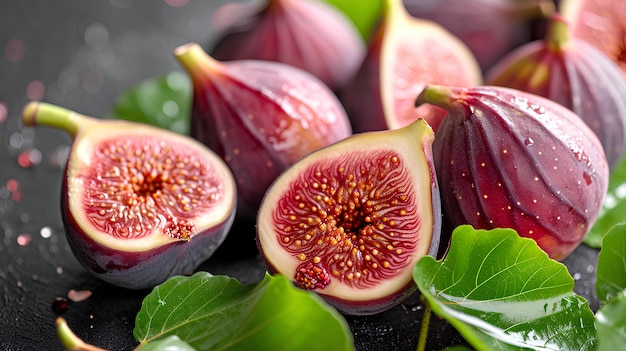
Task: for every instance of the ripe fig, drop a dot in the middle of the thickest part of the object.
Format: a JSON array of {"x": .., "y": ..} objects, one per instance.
[
  {"x": 510, "y": 159},
  {"x": 139, "y": 203},
  {"x": 489, "y": 28},
  {"x": 349, "y": 221},
  {"x": 575, "y": 74},
  {"x": 404, "y": 54},
  {"x": 260, "y": 117},
  {"x": 600, "y": 22},
  {"x": 311, "y": 35}
]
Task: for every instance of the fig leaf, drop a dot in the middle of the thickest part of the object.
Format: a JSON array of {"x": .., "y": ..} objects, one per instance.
[
  {"x": 611, "y": 275},
  {"x": 170, "y": 343},
  {"x": 611, "y": 323},
  {"x": 363, "y": 14},
  {"x": 163, "y": 101},
  {"x": 219, "y": 313},
  {"x": 613, "y": 208},
  {"x": 502, "y": 292}
]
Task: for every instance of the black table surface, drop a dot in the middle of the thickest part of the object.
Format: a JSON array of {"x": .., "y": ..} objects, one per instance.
[{"x": 81, "y": 54}]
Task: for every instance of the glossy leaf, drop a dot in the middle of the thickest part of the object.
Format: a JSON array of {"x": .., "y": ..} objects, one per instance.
[
  {"x": 364, "y": 14},
  {"x": 171, "y": 343},
  {"x": 502, "y": 292},
  {"x": 611, "y": 323},
  {"x": 613, "y": 210},
  {"x": 163, "y": 101},
  {"x": 219, "y": 313},
  {"x": 611, "y": 275}
]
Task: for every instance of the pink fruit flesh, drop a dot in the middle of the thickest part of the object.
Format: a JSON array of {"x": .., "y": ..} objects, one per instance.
[
  {"x": 350, "y": 220},
  {"x": 140, "y": 204}
]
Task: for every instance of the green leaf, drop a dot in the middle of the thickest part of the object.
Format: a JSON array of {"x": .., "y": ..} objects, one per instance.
[
  {"x": 613, "y": 209},
  {"x": 363, "y": 14},
  {"x": 502, "y": 292},
  {"x": 611, "y": 324},
  {"x": 219, "y": 313},
  {"x": 163, "y": 101},
  {"x": 611, "y": 275},
  {"x": 171, "y": 343}
]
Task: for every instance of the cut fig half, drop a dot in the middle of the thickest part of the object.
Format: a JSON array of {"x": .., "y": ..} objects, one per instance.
[
  {"x": 139, "y": 203},
  {"x": 350, "y": 221}
]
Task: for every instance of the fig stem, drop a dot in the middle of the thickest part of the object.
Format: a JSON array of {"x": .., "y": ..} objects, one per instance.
[
  {"x": 557, "y": 35},
  {"x": 435, "y": 94},
  {"x": 421, "y": 343},
  {"x": 41, "y": 113},
  {"x": 69, "y": 340},
  {"x": 194, "y": 59}
]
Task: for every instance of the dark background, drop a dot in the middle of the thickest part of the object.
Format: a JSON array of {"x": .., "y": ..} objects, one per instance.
[{"x": 81, "y": 54}]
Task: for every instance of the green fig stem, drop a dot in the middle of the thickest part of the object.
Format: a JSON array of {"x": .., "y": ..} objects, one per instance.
[
  {"x": 421, "y": 342},
  {"x": 195, "y": 60},
  {"x": 394, "y": 9},
  {"x": 557, "y": 35},
  {"x": 438, "y": 95},
  {"x": 69, "y": 340},
  {"x": 44, "y": 114}
]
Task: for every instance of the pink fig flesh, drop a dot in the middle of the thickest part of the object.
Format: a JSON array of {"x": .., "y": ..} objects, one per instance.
[
  {"x": 349, "y": 221},
  {"x": 139, "y": 203},
  {"x": 511, "y": 159},
  {"x": 260, "y": 117}
]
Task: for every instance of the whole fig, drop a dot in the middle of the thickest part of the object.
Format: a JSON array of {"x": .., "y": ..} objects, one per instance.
[
  {"x": 602, "y": 23},
  {"x": 260, "y": 117},
  {"x": 489, "y": 28},
  {"x": 311, "y": 35},
  {"x": 510, "y": 159},
  {"x": 349, "y": 221},
  {"x": 404, "y": 54},
  {"x": 139, "y": 204},
  {"x": 575, "y": 74}
]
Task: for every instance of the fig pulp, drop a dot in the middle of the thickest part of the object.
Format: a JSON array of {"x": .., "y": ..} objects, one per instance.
[
  {"x": 311, "y": 35},
  {"x": 349, "y": 221},
  {"x": 575, "y": 74},
  {"x": 139, "y": 203},
  {"x": 489, "y": 28},
  {"x": 260, "y": 117},
  {"x": 404, "y": 54},
  {"x": 602, "y": 23},
  {"x": 510, "y": 159}
]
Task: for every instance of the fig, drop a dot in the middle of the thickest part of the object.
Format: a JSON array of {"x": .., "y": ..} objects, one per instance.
[
  {"x": 506, "y": 158},
  {"x": 404, "y": 54},
  {"x": 311, "y": 35},
  {"x": 575, "y": 74},
  {"x": 350, "y": 220},
  {"x": 139, "y": 203},
  {"x": 260, "y": 117},
  {"x": 490, "y": 28},
  {"x": 600, "y": 22}
]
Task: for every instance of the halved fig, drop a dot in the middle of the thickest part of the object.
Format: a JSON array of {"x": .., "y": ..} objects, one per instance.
[
  {"x": 404, "y": 54},
  {"x": 349, "y": 221},
  {"x": 575, "y": 74},
  {"x": 510, "y": 159},
  {"x": 139, "y": 203}
]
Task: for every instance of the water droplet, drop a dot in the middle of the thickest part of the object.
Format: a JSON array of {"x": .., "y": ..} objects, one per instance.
[
  {"x": 12, "y": 185},
  {"x": 45, "y": 232},
  {"x": 170, "y": 108},
  {"x": 577, "y": 276},
  {"x": 79, "y": 295},
  {"x": 24, "y": 239},
  {"x": 29, "y": 158},
  {"x": 529, "y": 142},
  {"x": 96, "y": 35},
  {"x": 587, "y": 178},
  {"x": 59, "y": 270}
]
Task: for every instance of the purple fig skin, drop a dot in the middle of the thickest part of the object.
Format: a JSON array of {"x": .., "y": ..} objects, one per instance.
[
  {"x": 310, "y": 35},
  {"x": 260, "y": 117},
  {"x": 575, "y": 74},
  {"x": 489, "y": 28},
  {"x": 350, "y": 220},
  {"x": 511, "y": 159},
  {"x": 139, "y": 203}
]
